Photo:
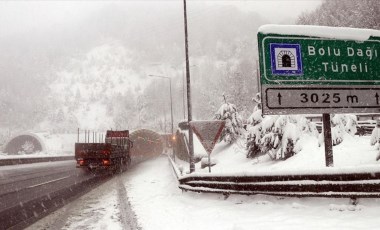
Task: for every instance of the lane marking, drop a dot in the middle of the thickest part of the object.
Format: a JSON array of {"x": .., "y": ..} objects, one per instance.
[{"x": 36, "y": 185}]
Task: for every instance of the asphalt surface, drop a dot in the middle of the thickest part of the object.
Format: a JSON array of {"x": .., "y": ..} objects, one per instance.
[{"x": 46, "y": 184}]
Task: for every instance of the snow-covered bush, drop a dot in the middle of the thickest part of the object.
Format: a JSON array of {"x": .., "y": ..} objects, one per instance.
[
  {"x": 254, "y": 134},
  {"x": 276, "y": 135},
  {"x": 341, "y": 124},
  {"x": 234, "y": 125},
  {"x": 375, "y": 137}
]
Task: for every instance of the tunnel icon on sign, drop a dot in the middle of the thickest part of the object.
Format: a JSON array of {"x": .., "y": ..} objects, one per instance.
[{"x": 286, "y": 59}]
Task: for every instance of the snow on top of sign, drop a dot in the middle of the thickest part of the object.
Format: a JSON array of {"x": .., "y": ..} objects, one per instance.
[{"x": 343, "y": 33}]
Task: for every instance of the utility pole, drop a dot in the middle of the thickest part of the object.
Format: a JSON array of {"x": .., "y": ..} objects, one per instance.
[{"x": 189, "y": 113}]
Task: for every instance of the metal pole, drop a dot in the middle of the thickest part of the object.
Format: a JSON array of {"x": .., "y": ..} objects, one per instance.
[
  {"x": 78, "y": 135},
  {"x": 171, "y": 105},
  {"x": 209, "y": 163},
  {"x": 328, "y": 140},
  {"x": 189, "y": 113},
  {"x": 183, "y": 94}
]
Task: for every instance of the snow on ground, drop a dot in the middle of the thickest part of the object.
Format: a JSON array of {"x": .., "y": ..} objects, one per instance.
[
  {"x": 353, "y": 154},
  {"x": 103, "y": 208},
  {"x": 159, "y": 204},
  {"x": 151, "y": 190}
]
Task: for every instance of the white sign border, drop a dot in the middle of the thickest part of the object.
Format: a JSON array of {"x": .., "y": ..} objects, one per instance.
[{"x": 319, "y": 80}]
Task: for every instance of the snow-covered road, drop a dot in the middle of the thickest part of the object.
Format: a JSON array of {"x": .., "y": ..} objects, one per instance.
[
  {"x": 105, "y": 207},
  {"x": 153, "y": 194}
]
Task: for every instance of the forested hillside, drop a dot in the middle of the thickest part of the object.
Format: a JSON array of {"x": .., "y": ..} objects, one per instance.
[
  {"x": 347, "y": 13},
  {"x": 94, "y": 74}
]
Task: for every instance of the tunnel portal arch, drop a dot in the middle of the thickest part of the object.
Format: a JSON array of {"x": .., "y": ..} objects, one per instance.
[{"x": 26, "y": 143}]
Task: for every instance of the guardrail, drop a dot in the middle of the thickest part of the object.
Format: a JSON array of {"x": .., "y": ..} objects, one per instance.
[
  {"x": 331, "y": 185},
  {"x": 16, "y": 161},
  {"x": 181, "y": 146},
  {"x": 336, "y": 185},
  {"x": 363, "y": 127},
  {"x": 341, "y": 185},
  {"x": 176, "y": 171}
]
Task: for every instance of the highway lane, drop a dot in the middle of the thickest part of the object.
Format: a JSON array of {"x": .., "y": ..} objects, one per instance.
[{"x": 20, "y": 184}]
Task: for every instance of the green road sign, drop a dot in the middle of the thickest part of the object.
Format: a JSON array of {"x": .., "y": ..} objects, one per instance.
[{"x": 310, "y": 73}]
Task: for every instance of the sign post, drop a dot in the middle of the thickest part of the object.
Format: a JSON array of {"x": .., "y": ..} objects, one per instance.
[
  {"x": 328, "y": 141},
  {"x": 319, "y": 70},
  {"x": 208, "y": 133}
]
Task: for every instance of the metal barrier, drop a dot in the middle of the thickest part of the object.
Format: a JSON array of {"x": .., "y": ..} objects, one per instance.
[
  {"x": 353, "y": 185},
  {"x": 181, "y": 146},
  {"x": 30, "y": 160}
]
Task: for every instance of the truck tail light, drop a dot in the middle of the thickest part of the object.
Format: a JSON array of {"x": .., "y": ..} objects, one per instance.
[
  {"x": 106, "y": 162},
  {"x": 81, "y": 162},
  {"x": 106, "y": 152}
]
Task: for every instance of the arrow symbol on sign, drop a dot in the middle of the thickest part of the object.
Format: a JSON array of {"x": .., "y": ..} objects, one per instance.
[
  {"x": 377, "y": 98},
  {"x": 279, "y": 98}
]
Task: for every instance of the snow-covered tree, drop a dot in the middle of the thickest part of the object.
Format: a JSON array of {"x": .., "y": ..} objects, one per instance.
[
  {"x": 341, "y": 124},
  {"x": 277, "y": 136},
  {"x": 254, "y": 134},
  {"x": 375, "y": 138},
  {"x": 348, "y": 13},
  {"x": 234, "y": 125}
]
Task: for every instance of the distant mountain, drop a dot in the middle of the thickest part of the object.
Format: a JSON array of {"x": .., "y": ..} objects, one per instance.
[{"x": 93, "y": 74}]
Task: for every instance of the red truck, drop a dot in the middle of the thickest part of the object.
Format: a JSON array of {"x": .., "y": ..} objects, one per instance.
[{"x": 113, "y": 154}]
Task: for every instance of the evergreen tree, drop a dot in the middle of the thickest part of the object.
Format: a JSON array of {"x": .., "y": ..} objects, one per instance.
[
  {"x": 277, "y": 136},
  {"x": 341, "y": 124},
  {"x": 234, "y": 125},
  {"x": 375, "y": 137},
  {"x": 348, "y": 13}
]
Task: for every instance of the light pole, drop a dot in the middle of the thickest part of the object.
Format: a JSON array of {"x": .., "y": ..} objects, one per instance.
[
  {"x": 171, "y": 99},
  {"x": 189, "y": 107}
]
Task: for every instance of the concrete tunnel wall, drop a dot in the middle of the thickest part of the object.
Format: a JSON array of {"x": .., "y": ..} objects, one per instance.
[{"x": 27, "y": 142}]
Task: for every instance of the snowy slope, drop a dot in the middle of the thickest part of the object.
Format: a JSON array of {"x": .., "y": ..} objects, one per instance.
[
  {"x": 87, "y": 87},
  {"x": 353, "y": 154}
]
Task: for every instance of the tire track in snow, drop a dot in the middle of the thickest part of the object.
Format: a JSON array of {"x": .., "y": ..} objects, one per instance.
[{"x": 127, "y": 215}]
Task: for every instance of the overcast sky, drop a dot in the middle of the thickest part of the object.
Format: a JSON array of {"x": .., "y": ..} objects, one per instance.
[{"x": 16, "y": 16}]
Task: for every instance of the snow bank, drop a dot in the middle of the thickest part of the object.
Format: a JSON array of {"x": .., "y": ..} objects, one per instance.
[{"x": 354, "y": 154}]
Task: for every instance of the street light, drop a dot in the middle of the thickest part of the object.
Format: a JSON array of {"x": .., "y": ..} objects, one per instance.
[
  {"x": 171, "y": 99},
  {"x": 189, "y": 110}
]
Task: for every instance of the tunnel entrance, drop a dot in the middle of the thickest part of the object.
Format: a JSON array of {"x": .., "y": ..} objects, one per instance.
[
  {"x": 146, "y": 144},
  {"x": 23, "y": 144}
]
